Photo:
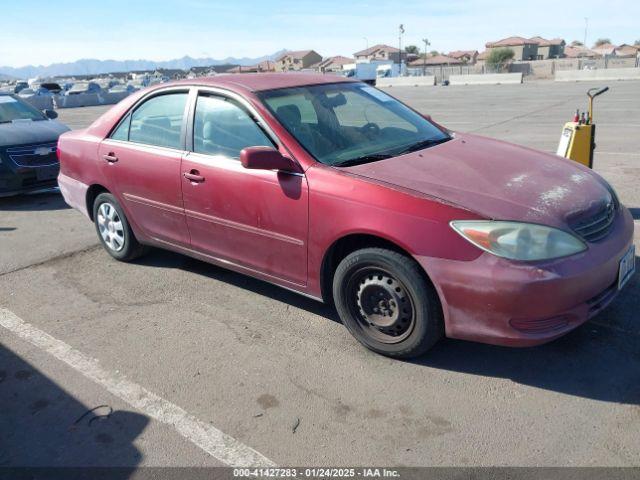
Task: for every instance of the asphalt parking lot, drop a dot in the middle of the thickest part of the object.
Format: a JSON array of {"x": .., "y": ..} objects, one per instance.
[{"x": 205, "y": 348}]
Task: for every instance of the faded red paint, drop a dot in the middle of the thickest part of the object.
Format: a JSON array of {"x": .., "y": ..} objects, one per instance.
[{"x": 279, "y": 227}]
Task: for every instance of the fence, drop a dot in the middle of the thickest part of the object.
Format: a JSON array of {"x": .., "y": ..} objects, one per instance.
[{"x": 533, "y": 68}]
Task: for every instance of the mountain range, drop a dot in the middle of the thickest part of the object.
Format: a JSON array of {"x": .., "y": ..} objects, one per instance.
[{"x": 91, "y": 66}]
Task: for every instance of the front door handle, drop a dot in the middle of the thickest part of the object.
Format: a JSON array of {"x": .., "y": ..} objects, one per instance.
[
  {"x": 110, "y": 157},
  {"x": 194, "y": 176}
]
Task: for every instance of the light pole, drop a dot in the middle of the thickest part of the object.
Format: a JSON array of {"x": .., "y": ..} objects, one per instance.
[
  {"x": 400, "y": 32},
  {"x": 586, "y": 26},
  {"x": 426, "y": 48},
  {"x": 366, "y": 42}
]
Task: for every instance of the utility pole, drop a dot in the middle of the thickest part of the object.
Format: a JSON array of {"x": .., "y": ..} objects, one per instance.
[
  {"x": 426, "y": 48},
  {"x": 586, "y": 26},
  {"x": 366, "y": 42},
  {"x": 400, "y": 32}
]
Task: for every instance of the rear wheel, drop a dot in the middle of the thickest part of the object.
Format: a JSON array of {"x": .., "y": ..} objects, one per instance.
[
  {"x": 113, "y": 229},
  {"x": 385, "y": 301}
]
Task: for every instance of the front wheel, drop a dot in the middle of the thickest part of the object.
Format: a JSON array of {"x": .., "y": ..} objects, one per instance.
[
  {"x": 385, "y": 301},
  {"x": 114, "y": 230}
]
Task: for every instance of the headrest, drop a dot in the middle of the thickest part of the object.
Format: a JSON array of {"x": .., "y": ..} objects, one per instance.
[{"x": 290, "y": 115}]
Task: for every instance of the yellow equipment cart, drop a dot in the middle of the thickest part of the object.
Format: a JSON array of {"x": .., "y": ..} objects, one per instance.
[{"x": 577, "y": 141}]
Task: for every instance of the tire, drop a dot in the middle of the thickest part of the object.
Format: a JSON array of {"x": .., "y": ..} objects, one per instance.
[
  {"x": 114, "y": 230},
  {"x": 387, "y": 303}
]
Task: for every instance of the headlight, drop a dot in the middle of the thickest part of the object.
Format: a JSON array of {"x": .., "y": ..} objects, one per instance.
[{"x": 519, "y": 241}]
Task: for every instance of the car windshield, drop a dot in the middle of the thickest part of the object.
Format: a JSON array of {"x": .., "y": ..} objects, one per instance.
[
  {"x": 345, "y": 124},
  {"x": 12, "y": 109}
]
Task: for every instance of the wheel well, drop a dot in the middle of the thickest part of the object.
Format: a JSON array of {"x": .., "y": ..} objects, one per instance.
[
  {"x": 93, "y": 191},
  {"x": 343, "y": 247}
]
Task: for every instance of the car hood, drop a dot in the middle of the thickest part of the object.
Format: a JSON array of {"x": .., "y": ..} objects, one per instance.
[
  {"x": 25, "y": 133},
  {"x": 495, "y": 179}
]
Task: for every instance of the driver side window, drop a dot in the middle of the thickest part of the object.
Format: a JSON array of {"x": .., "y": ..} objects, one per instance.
[{"x": 222, "y": 127}]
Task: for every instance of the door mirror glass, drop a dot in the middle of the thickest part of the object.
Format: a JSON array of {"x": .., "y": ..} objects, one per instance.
[
  {"x": 50, "y": 114},
  {"x": 265, "y": 158}
]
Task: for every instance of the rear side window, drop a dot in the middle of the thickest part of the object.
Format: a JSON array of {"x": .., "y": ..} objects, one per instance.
[
  {"x": 222, "y": 127},
  {"x": 158, "y": 121}
]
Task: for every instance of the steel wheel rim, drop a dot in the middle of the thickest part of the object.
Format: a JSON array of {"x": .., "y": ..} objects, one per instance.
[
  {"x": 110, "y": 227},
  {"x": 381, "y": 304}
]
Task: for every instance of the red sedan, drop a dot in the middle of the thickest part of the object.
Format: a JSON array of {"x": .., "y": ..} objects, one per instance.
[{"x": 336, "y": 190}]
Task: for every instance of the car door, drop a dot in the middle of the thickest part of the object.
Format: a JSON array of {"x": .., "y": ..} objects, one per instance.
[
  {"x": 257, "y": 219},
  {"x": 142, "y": 160}
]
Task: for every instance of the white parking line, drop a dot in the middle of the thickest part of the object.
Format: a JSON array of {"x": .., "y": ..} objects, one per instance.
[{"x": 216, "y": 443}]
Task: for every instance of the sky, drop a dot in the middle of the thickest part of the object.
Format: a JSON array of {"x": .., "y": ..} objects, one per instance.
[{"x": 41, "y": 32}]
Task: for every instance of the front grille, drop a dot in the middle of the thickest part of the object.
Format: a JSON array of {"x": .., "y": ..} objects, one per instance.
[
  {"x": 597, "y": 226},
  {"x": 40, "y": 155}
]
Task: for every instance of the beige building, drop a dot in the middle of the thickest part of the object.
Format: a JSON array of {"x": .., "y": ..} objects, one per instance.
[
  {"x": 468, "y": 57},
  {"x": 579, "y": 52},
  {"x": 435, "y": 61},
  {"x": 553, "y": 48},
  {"x": 297, "y": 60},
  {"x": 524, "y": 48},
  {"x": 379, "y": 52},
  {"x": 332, "y": 64}
]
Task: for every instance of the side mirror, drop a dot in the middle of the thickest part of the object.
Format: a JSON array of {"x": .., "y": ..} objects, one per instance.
[
  {"x": 265, "y": 158},
  {"x": 51, "y": 114}
]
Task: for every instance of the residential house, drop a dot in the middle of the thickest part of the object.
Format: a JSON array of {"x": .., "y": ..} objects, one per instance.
[
  {"x": 626, "y": 50},
  {"x": 332, "y": 64},
  {"x": 579, "y": 52},
  {"x": 265, "y": 66},
  {"x": 605, "y": 49},
  {"x": 378, "y": 53},
  {"x": 298, "y": 60},
  {"x": 482, "y": 57},
  {"x": 523, "y": 48},
  {"x": 468, "y": 57},
  {"x": 436, "y": 61},
  {"x": 553, "y": 48}
]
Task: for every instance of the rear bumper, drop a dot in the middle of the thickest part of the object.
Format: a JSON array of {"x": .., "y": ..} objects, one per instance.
[
  {"x": 493, "y": 300},
  {"x": 74, "y": 193}
]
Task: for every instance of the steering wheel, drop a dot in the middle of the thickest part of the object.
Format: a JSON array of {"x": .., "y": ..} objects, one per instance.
[{"x": 370, "y": 129}]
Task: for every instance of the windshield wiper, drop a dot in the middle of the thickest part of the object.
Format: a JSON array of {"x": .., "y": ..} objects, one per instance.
[
  {"x": 423, "y": 144},
  {"x": 364, "y": 159}
]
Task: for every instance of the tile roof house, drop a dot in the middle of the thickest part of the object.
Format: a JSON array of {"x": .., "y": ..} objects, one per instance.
[
  {"x": 605, "y": 49},
  {"x": 332, "y": 64},
  {"x": 523, "y": 48},
  {"x": 626, "y": 50},
  {"x": 297, "y": 60},
  {"x": 466, "y": 56},
  {"x": 553, "y": 48},
  {"x": 435, "y": 60},
  {"x": 379, "y": 52},
  {"x": 579, "y": 52}
]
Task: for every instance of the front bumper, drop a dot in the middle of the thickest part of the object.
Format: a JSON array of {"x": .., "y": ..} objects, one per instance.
[
  {"x": 24, "y": 180},
  {"x": 24, "y": 169},
  {"x": 497, "y": 301}
]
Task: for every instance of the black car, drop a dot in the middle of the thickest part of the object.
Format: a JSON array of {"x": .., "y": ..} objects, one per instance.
[{"x": 28, "y": 139}]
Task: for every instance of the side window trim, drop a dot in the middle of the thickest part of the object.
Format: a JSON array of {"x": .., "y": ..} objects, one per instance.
[{"x": 255, "y": 118}]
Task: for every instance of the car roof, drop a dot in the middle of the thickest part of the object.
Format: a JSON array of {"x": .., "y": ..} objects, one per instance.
[{"x": 255, "y": 82}]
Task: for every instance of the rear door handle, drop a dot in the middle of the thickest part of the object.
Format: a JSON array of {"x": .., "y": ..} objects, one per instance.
[
  {"x": 110, "y": 157},
  {"x": 194, "y": 176}
]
